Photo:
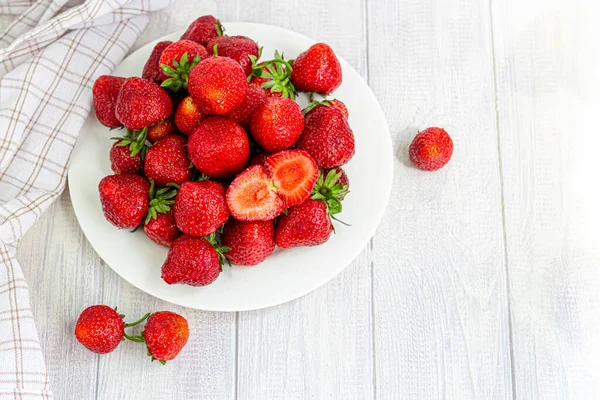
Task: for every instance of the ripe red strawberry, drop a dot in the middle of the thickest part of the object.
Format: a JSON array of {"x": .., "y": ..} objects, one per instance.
[
  {"x": 105, "y": 91},
  {"x": 307, "y": 224},
  {"x": 100, "y": 329},
  {"x": 124, "y": 199},
  {"x": 187, "y": 116},
  {"x": 142, "y": 103},
  {"x": 274, "y": 77},
  {"x": 219, "y": 147},
  {"x": 431, "y": 149},
  {"x": 122, "y": 162},
  {"x": 176, "y": 62},
  {"x": 317, "y": 70},
  {"x": 327, "y": 137},
  {"x": 193, "y": 261},
  {"x": 252, "y": 197},
  {"x": 294, "y": 174},
  {"x": 200, "y": 208},
  {"x": 331, "y": 103},
  {"x": 217, "y": 85},
  {"x": 160, "y": 130},
  {"x": 167, "y": 161},
  {"x": 152, "y": 70},
  {"x": 258, "y": 159},
  {"x": 162, "y": 230},
  {"x": 203, "y": 29},
  {"x": 238, "y": 48},
  {"x": 255, "y": 96},
  {"x": 277, "y": 124},
  {"x": 165, "y": 333},
  {"x": 249, "y": 242}
]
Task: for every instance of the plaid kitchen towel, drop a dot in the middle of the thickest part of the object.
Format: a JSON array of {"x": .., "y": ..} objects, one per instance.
[{"x": 50, "y": 56}]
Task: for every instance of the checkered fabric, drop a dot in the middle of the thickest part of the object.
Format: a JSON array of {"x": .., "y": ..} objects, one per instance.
[{"x": 50, "y": 56}]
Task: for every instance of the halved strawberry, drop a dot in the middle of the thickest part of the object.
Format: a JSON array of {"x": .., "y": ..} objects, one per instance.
[
  {"x": 294, "y": 174},
  {"x": 252, "y": 197}
]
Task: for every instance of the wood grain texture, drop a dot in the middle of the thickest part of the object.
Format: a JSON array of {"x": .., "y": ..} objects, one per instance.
[
  {"x": 548, "y": 71},
  {"x": 440, "y": 327},
  {"x": 318, "y": 346}
]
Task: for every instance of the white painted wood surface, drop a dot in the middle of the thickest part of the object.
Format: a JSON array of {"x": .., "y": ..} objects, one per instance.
[{"x": 482, "y": 281}]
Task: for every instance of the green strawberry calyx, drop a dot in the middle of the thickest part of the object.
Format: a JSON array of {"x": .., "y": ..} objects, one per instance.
[
  {"x": 330, "y": 191},
  {"x": 178, "y": 74},
  {"x": 220, "y": 28},
  {"x": 314, "y": 104},
  {"x": 278, "y": 74},
  {"x": 160, "y": 200},
  {"x": 136, "y": 140},
  {"x": 221, "y": 250}
]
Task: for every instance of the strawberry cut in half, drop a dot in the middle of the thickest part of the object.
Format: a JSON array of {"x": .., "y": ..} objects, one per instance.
[
  {"x": 294, "y": 174},
  {"x": 252, "y": 197}
]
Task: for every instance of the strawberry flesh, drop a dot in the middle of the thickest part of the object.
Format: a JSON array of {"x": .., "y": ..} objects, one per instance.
[
  {"x": 294, "y": 174},
  {"x": 252, "y": 197}
]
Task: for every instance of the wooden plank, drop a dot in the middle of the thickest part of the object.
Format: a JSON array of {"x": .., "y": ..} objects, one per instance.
[
  {"x": 441, "y": 327},
  {"x": 318, "y": 346},
  {"x": 548, "y": 77},
  {"x": 64, "y": 277}
]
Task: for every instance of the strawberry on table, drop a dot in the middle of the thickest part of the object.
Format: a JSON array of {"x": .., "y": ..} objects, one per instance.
[
  {"x": 122, "y": 162},
  {"x": 188, "y": 115},
  {"x": 124, "y": 199},
  {"x": 255, "y": 96},
  {"x": 219, "y": 147},
  {"x": 167, "y": 161},
  {"x": 203, "y": 29},
  {"x": 100, "y": 329},
  {"x": 307, "y": 224},
  {"x": 166, "y": 334},
  {"x": 277, "y": 124},
  {"x": 431, "y": 149},
  {"x": 200, "y": 208},
  {"x": 217, "y": 85},
  {"x": 293, "y": 173},
  {"x": 327, "y": 137},
  {"x": 105, "y": 92},
  {"x": 249, "y": 242},
  {"x": 238, "y": 48},
  {"x": 177, "y": 60},
  {"x": 142, "y": 103},
  {"x": 193, "y": 261},
  {"x": 252, "y": 197},
  {"x": 317, "y": 70},
  {"x": 152, "y": 70}
]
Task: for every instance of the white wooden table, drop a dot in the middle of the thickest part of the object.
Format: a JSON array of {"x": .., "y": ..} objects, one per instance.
[{"x": 482, "y": 281}]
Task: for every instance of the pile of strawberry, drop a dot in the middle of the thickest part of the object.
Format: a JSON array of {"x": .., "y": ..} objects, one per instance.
[{"x": 218, "y": 161}]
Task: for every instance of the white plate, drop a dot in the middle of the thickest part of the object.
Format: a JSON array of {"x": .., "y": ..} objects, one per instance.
[{"x": 285, "y": 275}]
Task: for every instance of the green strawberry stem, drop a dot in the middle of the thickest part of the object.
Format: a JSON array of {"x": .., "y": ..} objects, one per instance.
[
  {"x": 278, "y": 73},
  {"x": 137, "y": 339},
  {"x": 178, "y": 76},
  {"x": 330, "y": 191},
  {"x": 160, "y": 200},
  {"x": 220, "y": 28},
  {"x": 221, "y": 250},
  {"x": 139, "y": 321},
  {"x": 313, "y": 104}
]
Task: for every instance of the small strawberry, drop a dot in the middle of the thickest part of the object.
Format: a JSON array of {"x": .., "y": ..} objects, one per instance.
[
  {"x": 219, "y": 147},
  {"x": 249, "y": 242},
  {"x": 217, "y": 85},
  {"x": 152, "y": 70},
  {"x": 307, "y": 224},
  {"x": 203, "y": 29},
  {"x": 252, "y": 197},
  {"x": 142, "y": 103},
  {"x": 165, "y": 333},
  {"x": 431, "y": 149},
  {"x": 258, "y": 159},
  {"x": 327, "y": 137},
  {"x": 162, "y": 230},
  {"x": 124, "y": 199},
  {"x": 200, "y": 208},
  {"x": 293, "y": 173},
  {"x": 255, "y": 96},
  {"x": 122, "y": 162},
  {"x": 273, "y": 76},
  {"x": 105, "y": 91},
  {"x": 167, "y": 161},
  {"x": 238, "y": 48},
  {"x": 188, "y": 116},
  {"x": 160, "y": 130},
  {"x": 317, "y": 70},
  {"x": 100, "y": 329},
  {"x": 176, "y": 62},
  {"x": 277, "y": 124},
  {"x": 193, "y": 261}
]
